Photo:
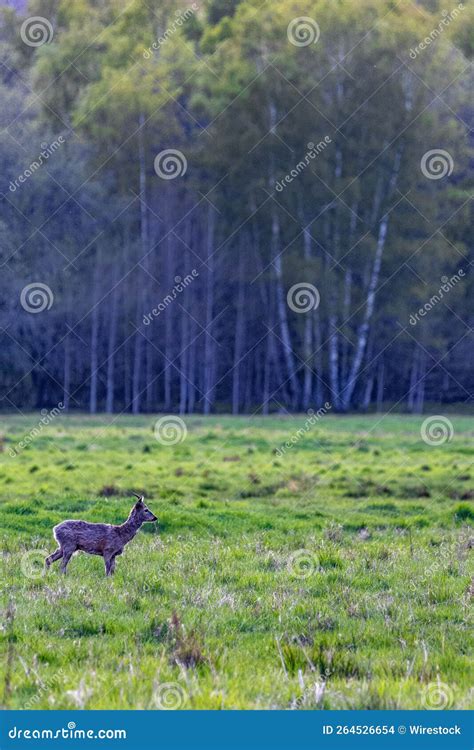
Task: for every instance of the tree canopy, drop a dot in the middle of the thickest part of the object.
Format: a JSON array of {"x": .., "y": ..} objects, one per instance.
[{"x": 236, "y": 205}]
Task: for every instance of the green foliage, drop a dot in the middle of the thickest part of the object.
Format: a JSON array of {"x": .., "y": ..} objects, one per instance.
[{"x": 124, "y": 81}]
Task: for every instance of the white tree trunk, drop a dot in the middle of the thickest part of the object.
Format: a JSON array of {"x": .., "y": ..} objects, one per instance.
[
  {"x": 110, "y": 388},
  {"x": 209, "y": 353},
  {"x": 364, "y": 328},
  {"x": 143, "y": 297}
]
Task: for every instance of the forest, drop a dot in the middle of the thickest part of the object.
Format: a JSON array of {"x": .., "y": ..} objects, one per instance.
[{"x": 235, "y": 205}]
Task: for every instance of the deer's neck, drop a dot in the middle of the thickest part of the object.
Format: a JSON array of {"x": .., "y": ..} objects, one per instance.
[{"x": 129, "y": 528}]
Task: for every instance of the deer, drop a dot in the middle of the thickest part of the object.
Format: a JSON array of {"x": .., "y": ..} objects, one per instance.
[{"x": 105, "y": 539}]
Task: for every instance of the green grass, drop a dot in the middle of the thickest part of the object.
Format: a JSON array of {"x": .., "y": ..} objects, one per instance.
[{"x": 374, "y": 613}]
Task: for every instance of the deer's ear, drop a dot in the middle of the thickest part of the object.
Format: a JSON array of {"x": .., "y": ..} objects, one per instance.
[{"x": 139, "y": 503}]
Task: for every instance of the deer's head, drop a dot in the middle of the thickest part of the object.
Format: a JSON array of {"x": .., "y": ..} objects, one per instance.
[{"x": 141, "y": 511}]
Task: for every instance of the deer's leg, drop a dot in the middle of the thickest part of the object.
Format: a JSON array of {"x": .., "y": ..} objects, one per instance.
[
  {"x": 57, "y": 554},
  {"x": 67, "y": 554},
  {"x": 109, "y": 564},
  {"x": 112, "y": 565}
]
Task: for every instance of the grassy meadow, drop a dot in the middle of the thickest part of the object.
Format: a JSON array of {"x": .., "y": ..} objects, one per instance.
[{"x": 332, "y": 574}]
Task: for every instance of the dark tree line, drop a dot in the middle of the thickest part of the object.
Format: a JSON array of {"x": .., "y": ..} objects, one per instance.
[{"x": 277, "y": 257}]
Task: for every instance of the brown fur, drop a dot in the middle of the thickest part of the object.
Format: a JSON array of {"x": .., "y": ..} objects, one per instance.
[{"x": 105, "y": 539}]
